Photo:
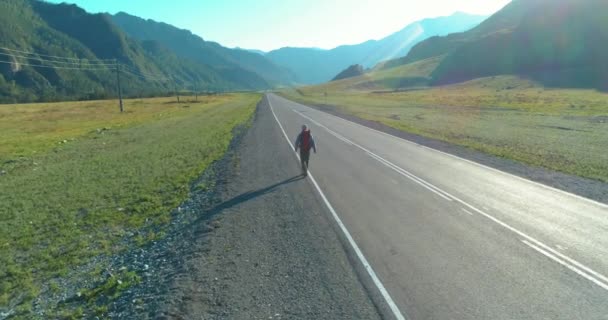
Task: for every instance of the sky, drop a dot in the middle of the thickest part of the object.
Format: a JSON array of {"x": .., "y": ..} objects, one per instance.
[{"x": 272, "y": 24}]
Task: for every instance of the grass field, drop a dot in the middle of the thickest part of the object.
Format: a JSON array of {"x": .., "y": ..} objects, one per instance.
[
  {"x": 415, "y": 74},
  {"x": 79, "y": 177},
  {"x": 560, "y": 129}
]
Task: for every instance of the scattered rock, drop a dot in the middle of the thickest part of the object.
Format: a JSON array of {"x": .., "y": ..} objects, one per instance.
[
  {"x": 83, "y": 212},
  {"x": 169, "y": 253},
  {"x": 102, "y": 130}
]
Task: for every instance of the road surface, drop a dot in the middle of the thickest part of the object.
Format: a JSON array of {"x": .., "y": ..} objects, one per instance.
[
  {"x": 446, "y": 238},
  {"x": 266, "y": 250}
]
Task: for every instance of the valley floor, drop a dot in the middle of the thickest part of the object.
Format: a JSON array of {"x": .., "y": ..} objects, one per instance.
[{"x": 252, "y": 240}]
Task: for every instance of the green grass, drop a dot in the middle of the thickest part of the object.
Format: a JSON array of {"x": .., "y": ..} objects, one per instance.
[
  {"x": 560, "y": 129},
  {"x": 413, "y": 74},
  {"x": 112, "y": 287},
  {"x": 62, "y": 203}
]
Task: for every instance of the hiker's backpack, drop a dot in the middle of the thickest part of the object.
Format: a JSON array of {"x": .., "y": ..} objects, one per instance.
[{"x": 306, "y": 140}]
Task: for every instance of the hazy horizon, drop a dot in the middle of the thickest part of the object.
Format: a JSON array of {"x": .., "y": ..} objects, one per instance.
[{"x": 267, "y": 25}]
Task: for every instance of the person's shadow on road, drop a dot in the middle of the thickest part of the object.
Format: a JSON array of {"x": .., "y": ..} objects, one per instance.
[{"x": 244, "y": 197}]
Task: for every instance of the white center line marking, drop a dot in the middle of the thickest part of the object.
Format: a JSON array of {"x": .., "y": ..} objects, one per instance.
[
  {"x": 404, "y": 173},
  {"x": 600, "y": 204},
  {"x": 564, "y": 260},
  {"x": 387, "y": 297},
  {"x": 467, "y": 211},
  {"x": 567, "y": 265},
  {"x": 385, "y": 162}
]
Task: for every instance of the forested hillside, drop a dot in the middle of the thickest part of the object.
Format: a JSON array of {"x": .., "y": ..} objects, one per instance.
[{"x": 52, "y": 52}]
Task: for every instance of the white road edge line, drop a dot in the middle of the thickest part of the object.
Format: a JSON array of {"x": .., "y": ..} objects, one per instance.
[
  {"x": 567, "y": 265},
  {"x": 387, "y": 297},
  {"x": 387, "y": 163},
  {"x": 603, "y": 205},
  {"x": 599, "y": 278}
]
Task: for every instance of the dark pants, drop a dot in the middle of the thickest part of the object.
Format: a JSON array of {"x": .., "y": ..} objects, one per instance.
[{"x": 304, "y": 156}]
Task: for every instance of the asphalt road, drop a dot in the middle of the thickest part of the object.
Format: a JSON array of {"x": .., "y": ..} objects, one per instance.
[
  {"x": 267, "y": 250},
  {"x": 451, "y": 239}
]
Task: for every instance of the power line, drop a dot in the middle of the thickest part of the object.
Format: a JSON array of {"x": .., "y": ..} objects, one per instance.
[
  {"x": 132, "y": 69},
  {"x": 62, "y": 62},
  {"x": 129, "y": 68},
  {"x": 52, "y": 67},
  {"x": 160, "y": 77},
  {"x": 70, "y": 63},
  {"x": 79, "y": 64},
  {"x": 89, "y": 68},
  {"x": 50, "y": 56},
  {"x": 144, "y": 77}
]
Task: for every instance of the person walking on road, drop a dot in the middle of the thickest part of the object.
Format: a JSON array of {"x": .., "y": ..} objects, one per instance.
[{"x": 304, "y": 143}]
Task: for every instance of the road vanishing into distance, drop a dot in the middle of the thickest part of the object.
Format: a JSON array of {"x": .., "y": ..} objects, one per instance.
[{"x": 441, "y": 237}]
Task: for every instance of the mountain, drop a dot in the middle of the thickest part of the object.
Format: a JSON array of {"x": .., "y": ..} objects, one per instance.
[
  {"x": 190, "y": 46},
  {"x": 35, "y": 33},
  {"x": 559, "y": 43},
  {"x": 260, "y": 52},
  {"x": 312, "y": 65},
  {"x": 353, "y": 71}
]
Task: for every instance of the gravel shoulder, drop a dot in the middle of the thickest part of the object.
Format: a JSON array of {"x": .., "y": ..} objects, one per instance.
[{"x": 267, "y": 249}]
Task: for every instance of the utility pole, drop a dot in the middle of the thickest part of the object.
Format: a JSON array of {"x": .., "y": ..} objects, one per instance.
[
  {"x": 175, "y": 88},
  {"x": 118, "y": 83},
  {"x": 196, "y": 92}
]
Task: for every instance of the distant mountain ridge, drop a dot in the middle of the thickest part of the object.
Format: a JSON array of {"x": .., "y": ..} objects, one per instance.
[
  {"x": 188, "y": 45},
  {"x": 312, "y": 65},
  {"x": 260, "y": 52},
  {"x": 558, "y": 43}
]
